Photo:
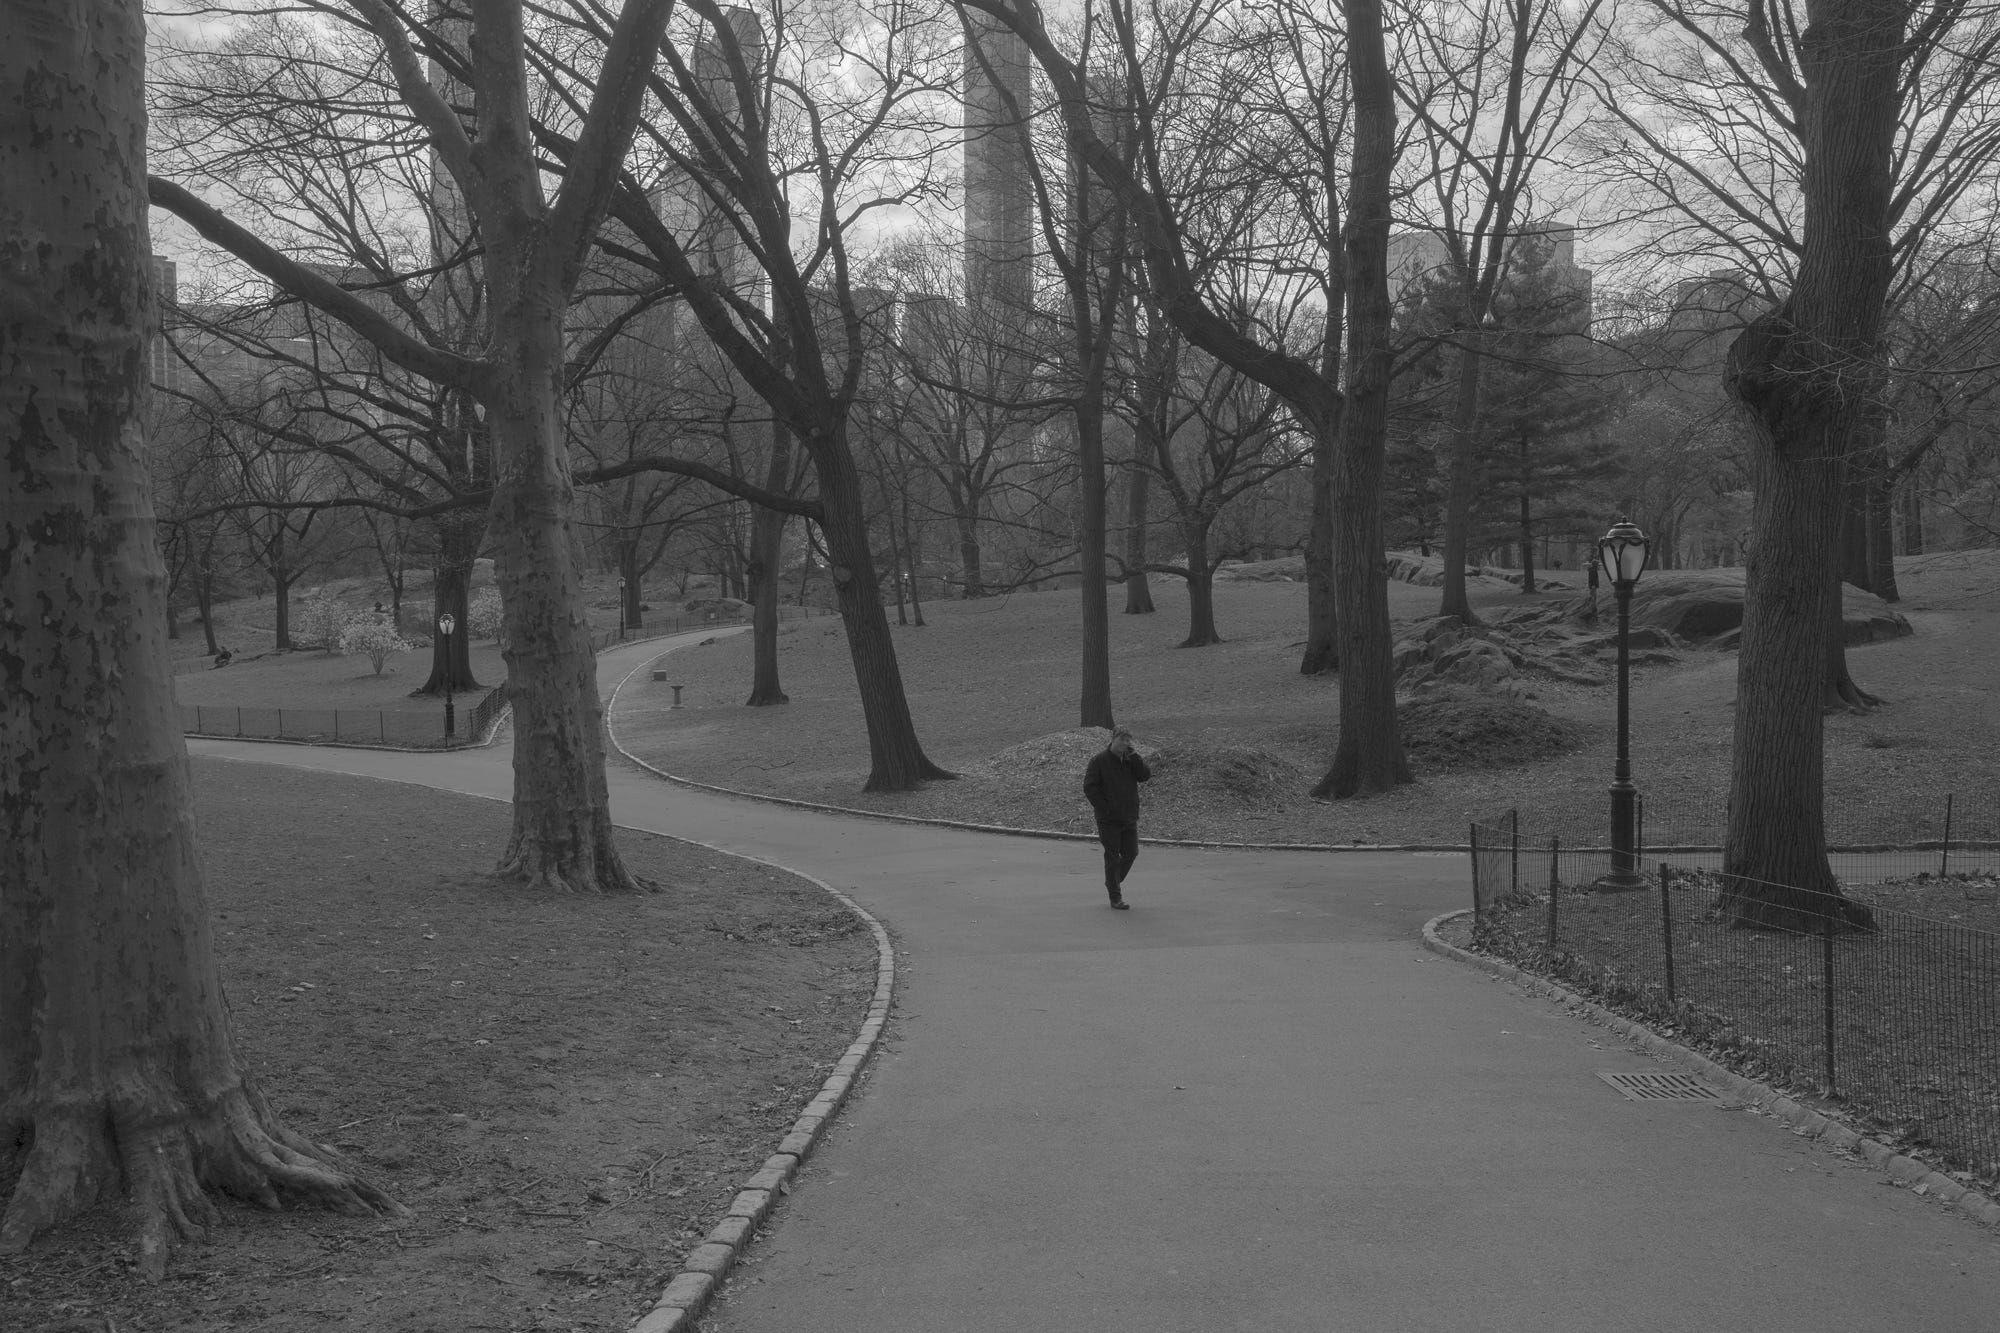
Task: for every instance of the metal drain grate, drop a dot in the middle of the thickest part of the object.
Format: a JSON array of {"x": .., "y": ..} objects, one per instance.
[{"x": 1662, "y": 1087}]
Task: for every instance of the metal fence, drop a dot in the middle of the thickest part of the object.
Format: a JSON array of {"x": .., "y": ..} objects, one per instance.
[
  {"x": 1867, "y": 840},
  {"x": 1897, "y": 1017},
  {"x": 350, "y": 726}
]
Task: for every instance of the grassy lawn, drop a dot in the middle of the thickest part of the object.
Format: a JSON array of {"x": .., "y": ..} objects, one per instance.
[
  {"x": 1239, "y": 736},
  {"x": 566, "y": 1092},
  {"x": 1916, "y": 1021},
  {"x": 311, "y": 678}
]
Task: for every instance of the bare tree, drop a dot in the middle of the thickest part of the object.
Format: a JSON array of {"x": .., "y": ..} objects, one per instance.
[
  {"x": 1211, "y": 435},
  {"x": 535, "y": 247},
  {"x": 749, "y": 142},
  {"x": 1824, "y": 145},
  {"x": 118, "y": 1072},
  {"x": 1369, "y": 756},
  {"x": 1493, "y": 90}
]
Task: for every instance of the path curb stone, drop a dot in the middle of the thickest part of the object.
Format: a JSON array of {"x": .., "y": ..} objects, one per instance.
[
  {"x": 1899, "y": 1167},
  {"x": 702, "y": 1272},
  {"x": 821, "y": 807}
]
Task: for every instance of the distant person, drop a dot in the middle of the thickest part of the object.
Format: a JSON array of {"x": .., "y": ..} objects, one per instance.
[{"x": 1111, "y": 785}]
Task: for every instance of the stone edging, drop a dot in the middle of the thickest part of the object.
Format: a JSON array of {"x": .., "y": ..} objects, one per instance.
[
  {"x": 701, "y": 1273},
  {"x": 1899, "y": 1167},
  {"x": 611, "y": 730}
]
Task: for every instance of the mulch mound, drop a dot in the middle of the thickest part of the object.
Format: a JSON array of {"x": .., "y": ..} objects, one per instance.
[{"x": 1463, "y": 729}]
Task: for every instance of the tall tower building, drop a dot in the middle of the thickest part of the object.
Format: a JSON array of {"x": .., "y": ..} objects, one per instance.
[
  {"x": 999, "y": 203},
  {"x": 457, "y": 297},
  {"x": 165, "y": 365}
]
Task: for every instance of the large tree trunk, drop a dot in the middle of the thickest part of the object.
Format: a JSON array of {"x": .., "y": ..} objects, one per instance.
[
  {"x": 204, "y": 601},
  {"x": 451, "y": 593},
  {"x": 1809, "y": 376},
  {"x": 1912, "y": 498},
  {"x": 1462, "y": 480},
  {"x": 1368, "y": 757},
  {"x": 118, "y": 1075},
  {"x": 1138, "y": 591},
  {"x": 1200, "y": 585},
  {"x": 1322, "y": 653},
  {"x": 767, "y": 544},
  {"x": 1095, "y": 685},
  {"x": 767, "y": 536},
  {"x": 972, "y": 574},
  {"x": 912, "y": 559},
  {"x": 630, "y": 594},
  {"x": 281, "y": 605},
  {"x": 562, "y": 837},
  {"x": 896, "y": 760}
]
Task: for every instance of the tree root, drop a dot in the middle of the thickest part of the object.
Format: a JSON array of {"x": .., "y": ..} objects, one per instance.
[
  {"x": 528, "y": 863},
  {"x": 1844, "y": 695},
  {"x": 1797, "y": 913},
  {"x": 169, "y": 1157}
]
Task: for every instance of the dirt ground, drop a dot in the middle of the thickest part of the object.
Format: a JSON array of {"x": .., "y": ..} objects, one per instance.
[
  {"x": 566, "y": 1093},
  {"x": 1242, "y": 735}
]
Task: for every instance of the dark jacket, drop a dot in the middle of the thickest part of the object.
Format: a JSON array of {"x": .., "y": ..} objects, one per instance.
[{"x": 1111, "y": 785}]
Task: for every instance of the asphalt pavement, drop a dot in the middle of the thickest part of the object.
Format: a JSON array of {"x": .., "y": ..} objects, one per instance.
[{"x": 1254, "y": 1102}]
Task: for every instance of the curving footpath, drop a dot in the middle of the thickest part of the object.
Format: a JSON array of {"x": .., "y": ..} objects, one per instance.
[{"x": 1255, "y": 1102}]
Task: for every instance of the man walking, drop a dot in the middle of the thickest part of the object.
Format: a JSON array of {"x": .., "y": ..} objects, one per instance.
[{"x": 1111, "y": 785}]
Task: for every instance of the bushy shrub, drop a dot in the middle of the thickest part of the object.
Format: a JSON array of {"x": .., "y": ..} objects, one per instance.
[
  {"x": 485, "y": 615},
  {"x": 318, "y": 620},
  {"x": 375, "y": 637}
]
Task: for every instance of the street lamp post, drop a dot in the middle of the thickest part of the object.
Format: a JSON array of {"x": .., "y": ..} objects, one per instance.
[
  {"x": 623, "y": 620},
  {"x": 1623, "y": 552},
  {"x": 446, "y": 624}
]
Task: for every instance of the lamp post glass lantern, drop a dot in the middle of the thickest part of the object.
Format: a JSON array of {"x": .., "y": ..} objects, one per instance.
[
  {"x": 446, "y": 624},
  {"x": 1623, "y": 552}
]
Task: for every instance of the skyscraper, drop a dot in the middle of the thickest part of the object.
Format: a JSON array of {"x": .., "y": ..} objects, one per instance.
[{"x": 999, "y": 203}]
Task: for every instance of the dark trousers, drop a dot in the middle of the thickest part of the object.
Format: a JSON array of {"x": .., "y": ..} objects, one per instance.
[{"x": 1121, "y": 849}]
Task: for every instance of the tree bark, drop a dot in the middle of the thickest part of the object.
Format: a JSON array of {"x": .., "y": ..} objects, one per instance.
[
  {"x": 281, "y": 606},
  {"x": 1527, "y": 529},
  {"x": 972, "y": 574},
  {"x": 118, "y": 1073},
  {"x": 1322, "y": 652},
  {"x": 767, "y": 537},
  {"x": 451, "y": 594},
  {"x": 204, "y": 601},
  {"x": 562, "y": 834},
  {"x": 1200, "y": 585},
  {"x": 1462, "y": 480},
  {"x": 896, "y": 761},
  {"x": 1368, "y": 757},
  {"x": 1809, "y": 376},
  {"x": 1138, "y": 591},
  {"x": 1094, "y": 708},
  {"x": 1913, "y": 514}
]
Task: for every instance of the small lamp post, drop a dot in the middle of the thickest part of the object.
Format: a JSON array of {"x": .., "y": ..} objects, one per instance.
[
  {"x": 1623, "y": 552},
  {"x": 446, "y": 624},
  {"x": 623, "y": 620}
]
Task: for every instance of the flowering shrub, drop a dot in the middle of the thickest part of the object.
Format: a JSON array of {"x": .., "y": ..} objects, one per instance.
[
  {"x": 373, "y": 636},
  {"x": 318, "y": 621},
  {"x": 484, "y": 615}
]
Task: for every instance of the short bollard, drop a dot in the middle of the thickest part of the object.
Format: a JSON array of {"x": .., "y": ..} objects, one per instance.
[{"x": 677, "y": 696}]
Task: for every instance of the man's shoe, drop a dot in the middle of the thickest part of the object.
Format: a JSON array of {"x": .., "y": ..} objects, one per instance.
[{"x": 1121, "y": 905}]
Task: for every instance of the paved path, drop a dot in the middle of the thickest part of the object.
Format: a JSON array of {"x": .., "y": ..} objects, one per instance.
[{"x": 1254, "y": 1102}]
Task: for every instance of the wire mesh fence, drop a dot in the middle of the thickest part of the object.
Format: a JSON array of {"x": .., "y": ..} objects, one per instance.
[
  {"x": 415, "y": 726},
  {"x": 1868, "y": 841},
  {"x": 1894, "y": 1014}
]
